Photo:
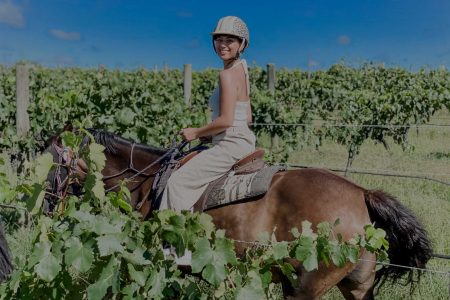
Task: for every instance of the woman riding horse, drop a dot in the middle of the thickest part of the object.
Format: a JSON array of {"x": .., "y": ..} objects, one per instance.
[
  {"x": 293, "y": 196},
  {"x": 231, "y": 113}
]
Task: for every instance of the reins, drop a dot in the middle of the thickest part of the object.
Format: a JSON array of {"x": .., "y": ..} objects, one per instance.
[
  {"x": 130, "y": 167},
  {"x": 174, "y": 147}
]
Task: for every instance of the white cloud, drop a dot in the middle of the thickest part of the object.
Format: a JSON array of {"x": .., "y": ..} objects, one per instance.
[
  {"x": 343, "y": 40},
  {"x": 64, "y": 35},
  {"x": 11, "y": 14}
]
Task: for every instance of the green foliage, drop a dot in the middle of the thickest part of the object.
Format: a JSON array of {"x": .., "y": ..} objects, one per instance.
[
  {"x": 148, "y": 106},
  {"x": 90, "y": 249}
]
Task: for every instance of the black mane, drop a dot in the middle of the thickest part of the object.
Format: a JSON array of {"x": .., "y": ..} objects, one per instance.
[{"x": 111, "y": 140}]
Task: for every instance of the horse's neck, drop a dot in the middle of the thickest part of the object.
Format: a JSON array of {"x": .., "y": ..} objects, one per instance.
[{"x": 142, "y": 157}]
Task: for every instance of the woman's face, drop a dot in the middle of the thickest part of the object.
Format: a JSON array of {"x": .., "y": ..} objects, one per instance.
[{"x": 226, "y": 46}]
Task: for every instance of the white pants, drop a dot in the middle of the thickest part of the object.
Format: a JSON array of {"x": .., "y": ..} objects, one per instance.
[{"x": 188, "y": 183}]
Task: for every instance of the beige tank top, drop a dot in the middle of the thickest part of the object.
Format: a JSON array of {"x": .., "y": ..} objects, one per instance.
[{"x": 240, "y": 112}]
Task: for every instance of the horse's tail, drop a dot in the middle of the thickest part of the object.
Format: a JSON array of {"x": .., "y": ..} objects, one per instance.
[
  {"x": 5, "y": 258},
  {"x": 408, "y": 242}
]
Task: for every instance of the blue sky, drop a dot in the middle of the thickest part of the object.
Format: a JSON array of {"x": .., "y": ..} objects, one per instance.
[{"x": 310, "y": 34}]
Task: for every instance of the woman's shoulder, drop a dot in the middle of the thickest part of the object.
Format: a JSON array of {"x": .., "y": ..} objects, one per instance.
[{"x": 227, "y": 76}]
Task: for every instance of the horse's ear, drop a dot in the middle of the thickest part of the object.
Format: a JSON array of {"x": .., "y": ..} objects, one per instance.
[
  {"x": 56, "y": 139},
  {"x": 68, "y": 127}
]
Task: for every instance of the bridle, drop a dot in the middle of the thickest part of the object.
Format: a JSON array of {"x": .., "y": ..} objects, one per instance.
[{"x": 68, "y": 162}]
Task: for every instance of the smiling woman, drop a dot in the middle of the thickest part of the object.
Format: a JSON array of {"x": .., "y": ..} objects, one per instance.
[{"x": 231, "y": 113}]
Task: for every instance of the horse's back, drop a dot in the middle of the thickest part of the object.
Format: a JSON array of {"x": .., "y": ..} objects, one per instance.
[
  {"x": 318, "y": 195},
  {"x": 294, "y": 196}
]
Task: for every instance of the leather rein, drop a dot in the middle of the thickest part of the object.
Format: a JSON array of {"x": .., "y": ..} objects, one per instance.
[{"x": 142, "y": 172}]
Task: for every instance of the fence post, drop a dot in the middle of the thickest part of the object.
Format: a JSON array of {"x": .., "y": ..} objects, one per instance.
[
  {"x": 22, "y": 99},
  {"x": 166, "y": 69},
  {"x": 271, "y": 78},
  {"x": 271, "y": 86},
  {"x": 187, "y": 83}
]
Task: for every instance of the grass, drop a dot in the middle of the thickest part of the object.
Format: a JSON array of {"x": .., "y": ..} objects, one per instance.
[{"x": 430, "y": 201}]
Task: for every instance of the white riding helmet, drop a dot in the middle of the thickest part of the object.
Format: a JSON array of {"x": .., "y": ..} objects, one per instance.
[{"x": 234, "y": 26}]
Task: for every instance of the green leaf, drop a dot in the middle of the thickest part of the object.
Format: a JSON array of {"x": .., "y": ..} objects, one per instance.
[
  {"x": 43, "y": 166},
  {"x": 253, "y": 290},
  {"x": 108, "y": 277},
  {"x": 138, "y": 276},
  {"x": 124, "y": 205},
  {"x": 137, "y": 257},
  {"x": 48, "y": 268},
  {"x": 99, "y": 187},
  {"x": 97, "y": 156},
  {"x": 202, "y": 255},
  {"x": 126, "y": 116},
  {"x": 156, "y": 283},
  {"x": 109, "y": 244},
  {"x": 306, "y": 252},
  {"x": 280, "y": 250},
  {"x": 41, "y": 250},
  {"x": 34, "y": 203},
  {"x": 102, "y": 226},
  {"x": 214, "y": 273},
  {"x": 307, "y": 231},
  {"x": 79, "y": 256},
  {"x": 338, "y": 255},
  {"x": 69, "y": 139},
  {"x": 224, "y": 252}
]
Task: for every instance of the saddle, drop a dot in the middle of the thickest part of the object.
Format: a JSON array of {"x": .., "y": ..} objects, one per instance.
[
  {"x": 248, "y": 164},
  {"x": 247, "y": 178}
]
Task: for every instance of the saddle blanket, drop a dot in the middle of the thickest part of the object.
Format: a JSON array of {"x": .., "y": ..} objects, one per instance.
[{"x": 230, "y": 188}]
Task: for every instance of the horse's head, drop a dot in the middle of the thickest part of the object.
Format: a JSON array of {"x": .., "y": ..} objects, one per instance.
[
  {"x": 68, "y": 175},
  {"x": 126, "y": 160}
]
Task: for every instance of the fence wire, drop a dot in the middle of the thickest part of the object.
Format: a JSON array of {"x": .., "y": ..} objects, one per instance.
[{"x": 446, "y": 126}]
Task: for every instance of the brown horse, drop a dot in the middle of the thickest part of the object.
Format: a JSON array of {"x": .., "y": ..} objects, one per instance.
[{"x": 316, "y": 195}]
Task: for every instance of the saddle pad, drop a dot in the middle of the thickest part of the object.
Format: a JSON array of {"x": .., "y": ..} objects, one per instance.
[{"x": 230, "y": 188}]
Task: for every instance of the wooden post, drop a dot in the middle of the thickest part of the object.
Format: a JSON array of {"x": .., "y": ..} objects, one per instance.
[
  {"x": 166, "y": 69},
  {"x": 22, "y": 99},
  {"x": 271, "y": 86},
  {"x": 187, "y": 83},
  {"x": 271, "y": 78}
]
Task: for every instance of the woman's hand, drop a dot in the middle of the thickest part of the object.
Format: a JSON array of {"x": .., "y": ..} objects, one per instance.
[{"x": 189, "y": 134}]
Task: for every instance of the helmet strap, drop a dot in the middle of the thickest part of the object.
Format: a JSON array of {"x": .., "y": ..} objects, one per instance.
[{"x": 241, "y": 49}]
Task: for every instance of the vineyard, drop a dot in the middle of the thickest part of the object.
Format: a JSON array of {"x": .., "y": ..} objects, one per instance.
[
  {"x": 148, "y": 106},
  {"x": 91, "y": 249}
]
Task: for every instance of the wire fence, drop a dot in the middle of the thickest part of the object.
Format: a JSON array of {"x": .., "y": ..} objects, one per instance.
[
  {"x": 427, "y": 270},
  {"x": 446, "y": 126},
  {"x": 372, "y": 172}
]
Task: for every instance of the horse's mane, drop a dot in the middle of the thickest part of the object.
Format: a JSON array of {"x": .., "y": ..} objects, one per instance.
[{"x": 111, "y": 140}]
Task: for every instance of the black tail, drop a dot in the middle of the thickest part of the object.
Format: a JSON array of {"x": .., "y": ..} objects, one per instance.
[
  {"x": 408, "y": 241},
  {"x": 5, "y": 258}
]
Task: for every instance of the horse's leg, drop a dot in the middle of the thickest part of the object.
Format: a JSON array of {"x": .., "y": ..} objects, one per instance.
[
  {"x": 314, "y": 284},
  {"x": 358, "y": 285}
]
